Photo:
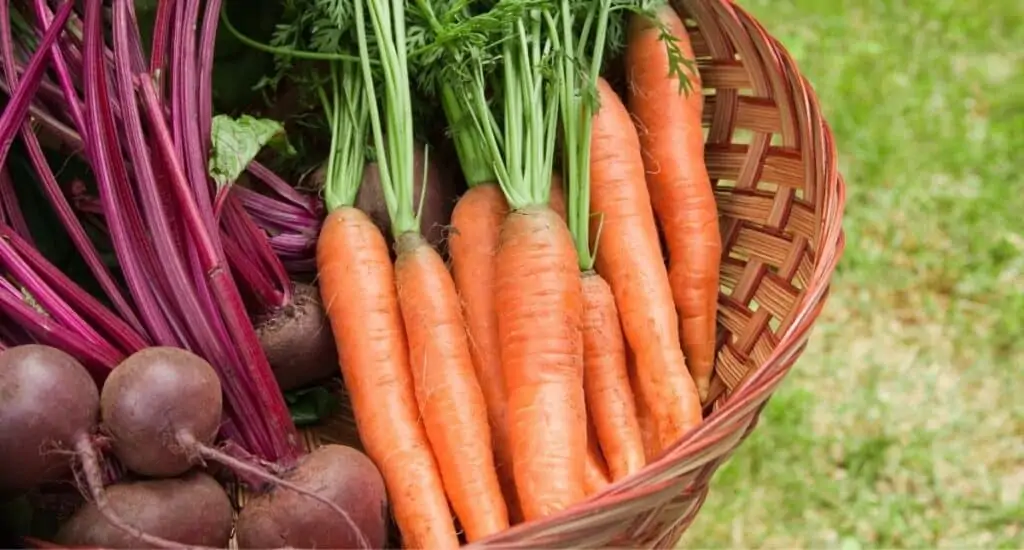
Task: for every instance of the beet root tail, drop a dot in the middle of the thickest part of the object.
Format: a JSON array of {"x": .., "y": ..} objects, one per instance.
[
  {"x": 192, "y": 445},
  {"x": 94, "y": 484}
]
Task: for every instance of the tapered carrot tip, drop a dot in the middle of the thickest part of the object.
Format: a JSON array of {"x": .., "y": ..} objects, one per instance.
[{"x": 702, "y": 390}]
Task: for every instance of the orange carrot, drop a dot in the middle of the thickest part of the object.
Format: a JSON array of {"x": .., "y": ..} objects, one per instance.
[
  {"x": 540, "y": 308},
  {"x": 610, "y": 402},
  {"x": 362, "y": 305},
  {"x": 596, "y": 468},
  {"x": 672, "y": 141},
  {"x": 473, "y": 244},
  {"x": 538, "y": 294},
  {"x": 646, "y": 420},
  {"x": 448, "y": 393},
  {"x": 630, "y": 259},
  {"x": 476, "y": 221},
  {"x": 357, "y": 286},
  {"x": 449, "y": 396}
]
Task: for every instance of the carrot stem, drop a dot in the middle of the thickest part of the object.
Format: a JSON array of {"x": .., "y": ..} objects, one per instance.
[{"x": 578, "y": 103}]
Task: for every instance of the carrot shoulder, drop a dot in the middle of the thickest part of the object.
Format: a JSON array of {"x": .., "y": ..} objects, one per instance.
[
  {"x": 540, "y": 307},
  {"x": 610, "y": 402},
  {"x": 630, "y": 259},
  {"x": 672, "y": 140},
  {"x": 362, "y": 306}
]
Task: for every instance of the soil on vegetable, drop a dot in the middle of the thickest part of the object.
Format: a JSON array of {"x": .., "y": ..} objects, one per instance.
[{"x": 298, "y": 341}]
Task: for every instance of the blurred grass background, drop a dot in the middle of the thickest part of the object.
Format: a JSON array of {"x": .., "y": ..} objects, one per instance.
[{"x": 903, "y": 423}]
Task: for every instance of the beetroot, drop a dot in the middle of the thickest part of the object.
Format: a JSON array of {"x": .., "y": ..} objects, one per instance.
[
  {"x": 48, "y": 406},
  {"x": 192, "y": 509},
  {"x": 298, "y": 341},
  {"x": 48, "y": 410},
  {"x": 340, "y": 474},
  {"x": 161, "y": 407},
  {"x": 156, "y": 405},
  {"x": 438, "y": 204}
]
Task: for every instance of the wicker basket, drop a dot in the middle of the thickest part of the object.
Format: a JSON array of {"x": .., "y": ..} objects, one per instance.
[{"x": 773, "y": 163}]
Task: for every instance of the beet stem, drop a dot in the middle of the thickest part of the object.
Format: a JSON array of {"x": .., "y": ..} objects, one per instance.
[
  {"x": 284, "y": 217},
  {"x": 271, "y": 273},
  {"x": 161, "y": 33},
  {"x": 52, "y": 189},
  {"x": 11, "y": 210},
  {"x": 266, "y": 271},
  {"x": 207, "y": 43},
  {"x": 247, "y": 270},
  {"x": 120, "y": 212},
  {"x": 284, "y": 435},
  {"x": 94, "y": 483},
  {"x": 47, "y": 91},
  {"x": 17, "y": 106},
  {"x": 191, "y": 444},
  {"x": 67, "y": 83},
  {"x": 204, "y": 326},
  {"x": 63, "y": 133},
  {"x": 281, "y": 187},
  {"x": 47, "y": 331},
  {"x": 50, "y": 301},
  {"x": 186, "y": 113},
  {"x": 122, "y": 334}
]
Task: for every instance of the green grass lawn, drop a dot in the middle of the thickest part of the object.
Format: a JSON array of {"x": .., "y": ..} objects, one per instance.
[{"x": 903, "y": 423}]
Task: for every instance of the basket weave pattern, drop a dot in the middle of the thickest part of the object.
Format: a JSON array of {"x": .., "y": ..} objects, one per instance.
[{"x": 772, "y": 161}]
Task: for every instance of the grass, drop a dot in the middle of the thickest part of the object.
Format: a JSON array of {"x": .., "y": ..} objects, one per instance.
[{"x": 903, "y": 423}]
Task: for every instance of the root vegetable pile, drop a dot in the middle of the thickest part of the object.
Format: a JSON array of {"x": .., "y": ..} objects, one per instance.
[{"x": 509, "y": 332}]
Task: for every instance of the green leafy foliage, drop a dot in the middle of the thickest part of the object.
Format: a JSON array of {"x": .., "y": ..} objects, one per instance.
[
  {"x": 310, "y": 30},
  {"x": 617, "y": 35},
  {"x": 235, "y": 142},
  {"x": 311, "y": 405},
  {"x": 445, "y": 34}
]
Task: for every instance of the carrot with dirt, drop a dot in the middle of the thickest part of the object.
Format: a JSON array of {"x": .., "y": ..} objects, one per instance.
[
  {"x": 538, "y": 295},
  {"x": 609, "y": 398},
  {"x": 473, "y": 238},
  {"x": 449, "y": 396},
  {"x": 357, "y": 286},
  {"x": 667, "y": 107},
  {"x": 631, "y": 261},
  {"x": 479, "y": 213}
]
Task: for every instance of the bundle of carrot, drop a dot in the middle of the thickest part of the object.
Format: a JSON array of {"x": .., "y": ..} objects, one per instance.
[
  {"x": 559, "y": 353},
  {"x": 556, "y": 353}
]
